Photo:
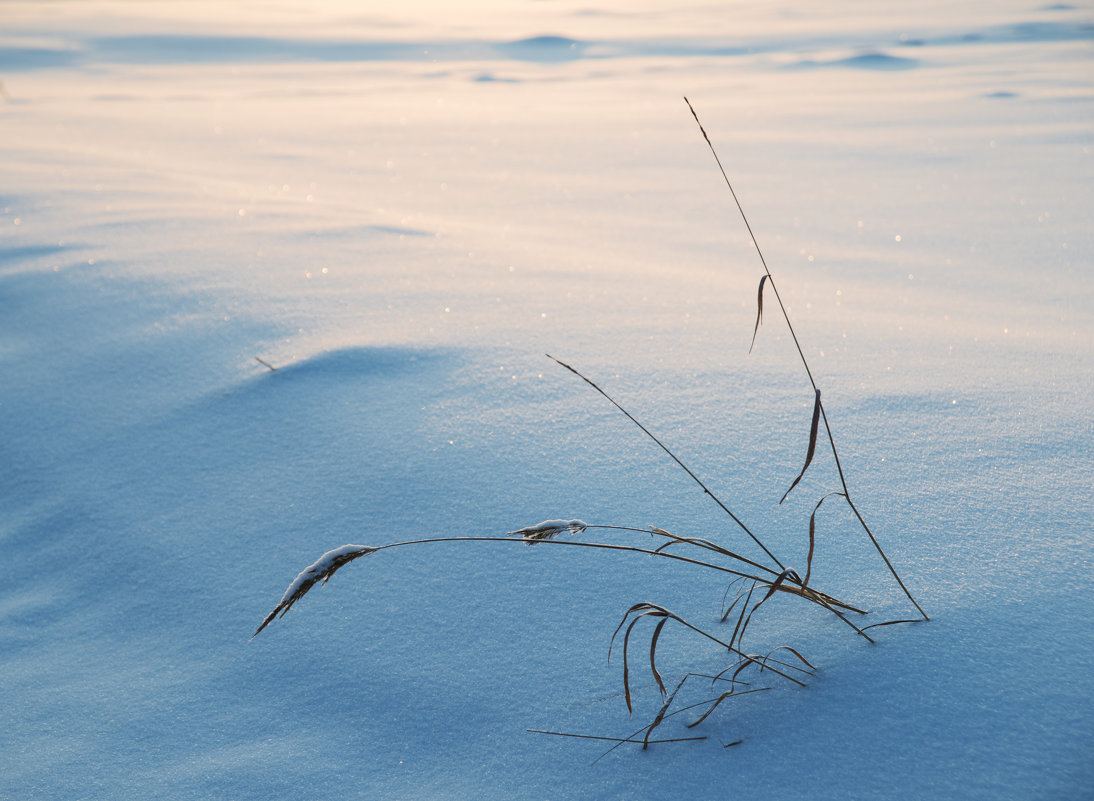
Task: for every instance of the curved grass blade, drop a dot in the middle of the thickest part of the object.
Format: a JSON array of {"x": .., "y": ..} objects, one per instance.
[
  {"x": 725, "y": 595},
  {"x": 663, "y": 712},
  {"x": 701, "y": 542},
  {"x": 626, "y": 666},
  {"x": 642, "y": 610},
  {"x": 788, "y": 574},
  {"x": 759, "y": 309},
  {"x": 619, "y": 740},
  {"x": 812, "y": 535},
  {"x": 740, "y": 664},
  {"x": 812, "y": 443},
  {"x": 661, "y": 715},
  {"x": 729, "y": 611},
  {"x": 717, "y": 702},
  {"x": 664, "y": 706},
  {"x": 643, "y": 606}
]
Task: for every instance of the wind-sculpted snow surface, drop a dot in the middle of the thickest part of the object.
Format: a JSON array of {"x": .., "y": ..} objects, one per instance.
[{"x": 275, "y": 278}]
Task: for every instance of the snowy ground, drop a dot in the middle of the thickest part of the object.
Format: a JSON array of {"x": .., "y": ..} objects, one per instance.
[{"x": 402, "y": 208}]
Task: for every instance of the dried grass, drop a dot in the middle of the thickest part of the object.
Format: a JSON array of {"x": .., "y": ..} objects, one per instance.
[{"x": 756, "y": 582}]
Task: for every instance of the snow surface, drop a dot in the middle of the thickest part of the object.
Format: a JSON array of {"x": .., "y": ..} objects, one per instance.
[{"x": 401, "y": 208}]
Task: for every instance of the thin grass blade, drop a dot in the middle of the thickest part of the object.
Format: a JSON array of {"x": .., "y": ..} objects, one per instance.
[
  {"x": 729, "y": 611},
  {"x": 759, "y": 307},
  {"x": 793, "y": 651},
  {"x": 653, "y": 652},
  {"x": 626, "y": 665},
  {"x": 548, "y": 529},
  {"x": 710, "y": 709},
  {"x": 656, "y": 722},
  {"x": 812, "y": 443},
  {"x": 615, "y": 739},
  {"x": 892, "y": 623},
  {"x": 812, "y": 535},
  {"x": 786, "y": 575}
]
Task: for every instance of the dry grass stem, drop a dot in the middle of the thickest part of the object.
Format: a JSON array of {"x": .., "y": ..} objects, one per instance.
[{"x": 809, "y": 373}]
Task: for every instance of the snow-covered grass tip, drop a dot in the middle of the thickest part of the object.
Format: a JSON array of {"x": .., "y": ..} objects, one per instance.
[
  {"x": 548, "y": 529},
  {"x": 321, "y": 570}
]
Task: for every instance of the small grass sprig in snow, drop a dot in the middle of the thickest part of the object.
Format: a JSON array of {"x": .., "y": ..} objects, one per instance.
[{"x": 757, "y": 582}]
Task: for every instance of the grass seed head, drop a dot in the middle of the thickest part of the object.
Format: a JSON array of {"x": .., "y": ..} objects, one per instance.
[
  {"x": 323, "y": 568},
  {"x": 549, "y": 529}
]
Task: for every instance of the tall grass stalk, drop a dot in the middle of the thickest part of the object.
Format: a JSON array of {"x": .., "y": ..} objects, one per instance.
[{"x": 818, "y": 405}]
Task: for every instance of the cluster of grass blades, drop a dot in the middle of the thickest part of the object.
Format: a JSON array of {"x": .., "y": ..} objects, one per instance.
[{"x": 754, "y": 582}]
